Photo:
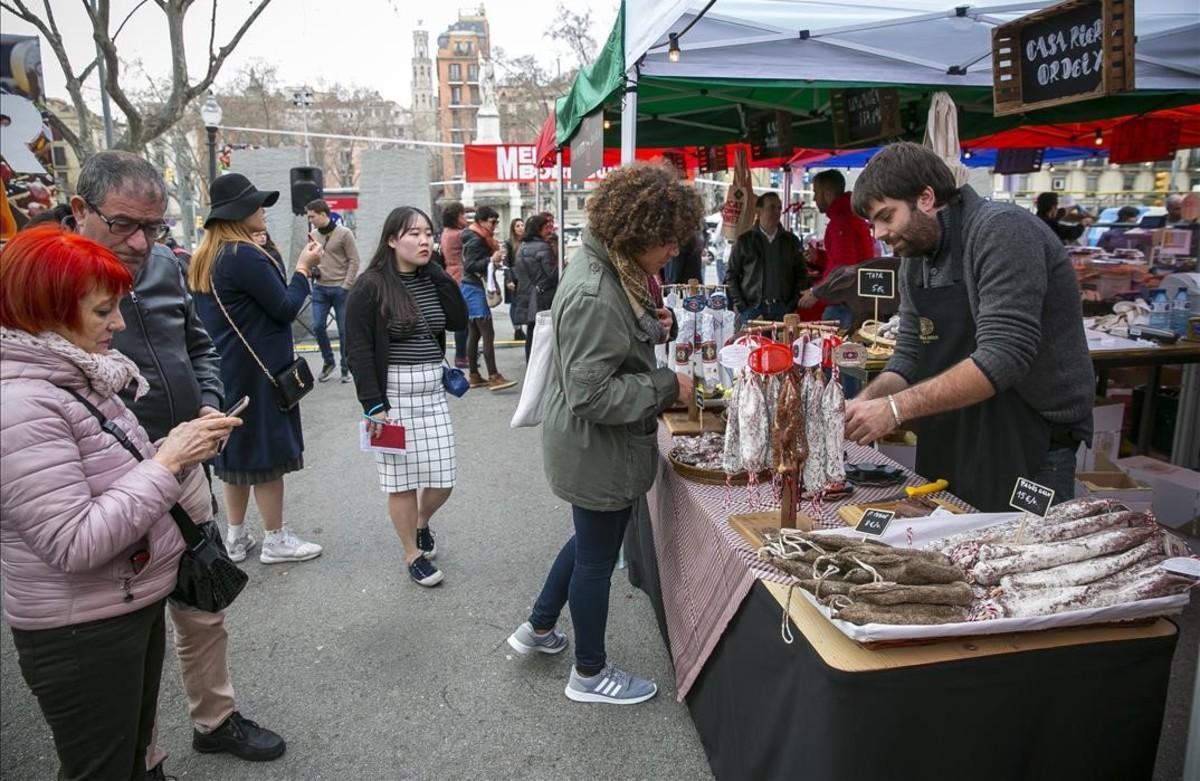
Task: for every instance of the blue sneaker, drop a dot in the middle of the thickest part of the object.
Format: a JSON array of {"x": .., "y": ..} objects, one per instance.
[
  {"x": 525, "y": 640},
  {"x": 610, "y": 685},
  {"x": 426, "y": 544},
  {"x": 424, "y": 573}
]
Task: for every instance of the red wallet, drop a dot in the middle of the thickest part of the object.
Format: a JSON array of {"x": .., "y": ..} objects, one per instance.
[{"x": 392, "y": 436}]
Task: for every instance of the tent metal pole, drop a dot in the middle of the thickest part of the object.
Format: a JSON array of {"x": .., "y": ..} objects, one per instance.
[
  {"x": 629, "y": 119},
  {"x": 787, "y": 198},
  {"x": 562, "y": 212}
]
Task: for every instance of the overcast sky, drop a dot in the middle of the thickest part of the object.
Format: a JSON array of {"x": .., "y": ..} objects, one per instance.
[{"x": 364, "y": 42}]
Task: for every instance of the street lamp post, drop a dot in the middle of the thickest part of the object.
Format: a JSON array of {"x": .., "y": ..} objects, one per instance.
[
  {"x": 302, "y": 99},
  {"x": 210, "y": 112}
]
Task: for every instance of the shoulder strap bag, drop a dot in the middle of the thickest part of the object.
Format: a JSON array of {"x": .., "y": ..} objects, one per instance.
[
  {"x": 208, "y": 580},
  {"x": 453, "y": 379},
  {"x": 291, "y": 384}
]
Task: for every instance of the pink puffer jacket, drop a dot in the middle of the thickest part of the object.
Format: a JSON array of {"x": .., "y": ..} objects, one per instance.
[{"x": 75, "y": 506}]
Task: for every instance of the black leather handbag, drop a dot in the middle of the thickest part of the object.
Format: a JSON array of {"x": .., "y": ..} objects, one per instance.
[
  {"x": 208, "y": 580},
  {"x": 291, "y": 384}
]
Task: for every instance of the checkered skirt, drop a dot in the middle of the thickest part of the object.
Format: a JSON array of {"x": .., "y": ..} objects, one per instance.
[{"x": 418, "y": 402}]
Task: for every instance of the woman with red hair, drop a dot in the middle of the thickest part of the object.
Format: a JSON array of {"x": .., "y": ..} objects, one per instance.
[{"x": 88, "y": 549}]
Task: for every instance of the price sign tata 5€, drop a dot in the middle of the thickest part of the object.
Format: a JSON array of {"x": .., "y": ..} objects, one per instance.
[{"x": 877, "y": 283}]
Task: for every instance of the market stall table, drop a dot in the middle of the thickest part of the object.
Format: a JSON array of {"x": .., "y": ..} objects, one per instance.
[{"x": 1084, "y": 702}]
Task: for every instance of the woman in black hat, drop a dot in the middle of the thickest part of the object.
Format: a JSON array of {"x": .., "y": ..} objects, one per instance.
[{"x": 248, "y": 306}]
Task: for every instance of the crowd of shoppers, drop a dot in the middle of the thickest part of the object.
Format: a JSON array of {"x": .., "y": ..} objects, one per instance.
[{"x": 160, "y": 343}]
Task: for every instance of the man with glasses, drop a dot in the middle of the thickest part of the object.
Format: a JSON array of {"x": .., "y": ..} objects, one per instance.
[{"x": 120, "y": 204}]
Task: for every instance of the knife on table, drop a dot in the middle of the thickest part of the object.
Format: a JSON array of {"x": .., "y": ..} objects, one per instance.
[{"x": 920, "y": 490}]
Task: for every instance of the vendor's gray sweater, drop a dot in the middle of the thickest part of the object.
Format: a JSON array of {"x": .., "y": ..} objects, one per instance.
[{"x": 1025, "y": 300}]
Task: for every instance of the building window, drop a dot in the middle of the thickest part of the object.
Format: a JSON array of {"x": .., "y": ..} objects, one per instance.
[
  {"x": 472, "y": 73},
  {"x": 455, "y": 72},
  {"x": 580, "y": 202},
  {"x": 455, "y": 95},
  {"x": 60, "y": 156}
]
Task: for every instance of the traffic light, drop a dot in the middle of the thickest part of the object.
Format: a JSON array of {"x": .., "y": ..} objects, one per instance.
[{"x": 1162, "y": 181}]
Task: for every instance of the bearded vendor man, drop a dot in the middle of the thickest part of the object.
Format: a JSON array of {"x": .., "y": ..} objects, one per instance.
[{"x": 991, "y": 363}]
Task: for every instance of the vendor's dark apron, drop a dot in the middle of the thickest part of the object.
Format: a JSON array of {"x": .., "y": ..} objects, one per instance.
[{"x": 984, "y": 448}]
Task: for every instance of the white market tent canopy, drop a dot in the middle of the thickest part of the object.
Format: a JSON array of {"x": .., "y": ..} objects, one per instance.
[{"x": 740, "y": 56}]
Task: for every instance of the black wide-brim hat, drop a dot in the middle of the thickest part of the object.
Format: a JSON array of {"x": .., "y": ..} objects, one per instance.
[{"x": 234, "y": 198}]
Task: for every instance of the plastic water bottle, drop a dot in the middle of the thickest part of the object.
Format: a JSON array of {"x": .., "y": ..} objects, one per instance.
[
  {"x": 1181, "y": 310},
  {"x": 1160, "y": 310}
]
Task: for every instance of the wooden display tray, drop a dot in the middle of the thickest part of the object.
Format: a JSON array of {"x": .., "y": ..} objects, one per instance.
[
  {"x": 753, "y": 526},
  {"x": 851, "y": 514},
  {"x": 679, "y": 424},
  {"x": 712, "y": 476},
  {"x": 842, "y": 653}
]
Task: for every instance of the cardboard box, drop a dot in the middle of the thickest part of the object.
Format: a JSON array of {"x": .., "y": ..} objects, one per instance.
[
  {"x": 1176, "y": 489},
  {"x": 1109, "y": 482},
  {"x": 1107, "y": 418}
]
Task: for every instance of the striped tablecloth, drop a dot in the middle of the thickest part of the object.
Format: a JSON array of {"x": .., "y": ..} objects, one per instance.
[{"x": 706, "y": 568}]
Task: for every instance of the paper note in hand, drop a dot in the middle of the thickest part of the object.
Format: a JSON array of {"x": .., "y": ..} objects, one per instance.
[{"x": 390, "y": 440}]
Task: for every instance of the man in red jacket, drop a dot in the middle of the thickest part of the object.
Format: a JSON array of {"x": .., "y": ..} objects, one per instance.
[{"x": 847, "y": 242}]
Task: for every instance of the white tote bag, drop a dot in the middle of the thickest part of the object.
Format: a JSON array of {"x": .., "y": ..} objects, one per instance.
[{"x": 537, "y": 373}]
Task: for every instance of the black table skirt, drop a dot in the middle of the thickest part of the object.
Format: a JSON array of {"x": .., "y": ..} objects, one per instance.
[{"x": 767, "y": 710}]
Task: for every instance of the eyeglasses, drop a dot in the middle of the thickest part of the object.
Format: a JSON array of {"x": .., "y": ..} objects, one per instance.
[{"x": 125, "y": 227}]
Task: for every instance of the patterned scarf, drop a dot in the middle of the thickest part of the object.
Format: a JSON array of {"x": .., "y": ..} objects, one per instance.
[
  {"x": 108, "y": 373},
  {"x": 636, "y": 283}
]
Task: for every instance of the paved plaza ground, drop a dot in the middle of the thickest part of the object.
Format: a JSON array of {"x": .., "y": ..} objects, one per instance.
[{"x": 369, "y": 676}]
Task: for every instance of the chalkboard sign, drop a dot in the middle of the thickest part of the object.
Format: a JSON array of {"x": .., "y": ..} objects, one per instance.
[
  {"x": 874, "y": 522},
  {"x": 771, "y": 136},
  {"x": 861, "y": 115},
  {"x": 876, "y": 283},
  {"x": 1029, "y": 497},
  {"x": 1076, "y": 50},
  {"x": 713, "y": 159}
]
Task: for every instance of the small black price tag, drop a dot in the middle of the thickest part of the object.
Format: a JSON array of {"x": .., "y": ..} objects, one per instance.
[
  {"x": 1029, "y": 497},
  {"x": 874, "y": 522},
  {"x": 876, "y": 283}
]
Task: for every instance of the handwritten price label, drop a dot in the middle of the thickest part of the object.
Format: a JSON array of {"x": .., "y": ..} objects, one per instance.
[
  {"x": 1029, "y": 497},
  {"x": 876, "y": 283},
  {"x": 874, "y": 522}
]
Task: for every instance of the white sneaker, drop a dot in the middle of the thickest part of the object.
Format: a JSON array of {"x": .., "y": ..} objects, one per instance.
[
  {"x": 287, "y": 548},
  {"x": 240, "y": 547}
]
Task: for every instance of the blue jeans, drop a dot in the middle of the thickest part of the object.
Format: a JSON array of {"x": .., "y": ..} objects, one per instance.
[
  {"x": 581, "y": 575},
  {"x": 839, "y": 312},
  {"x": 1058, "y": 473},
  {"x": 325, "y": 298}
]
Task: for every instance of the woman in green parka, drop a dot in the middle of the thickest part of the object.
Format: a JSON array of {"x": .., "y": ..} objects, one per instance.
[{"x": 600, "y": 408}]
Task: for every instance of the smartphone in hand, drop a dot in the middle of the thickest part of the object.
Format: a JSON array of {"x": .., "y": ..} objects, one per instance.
[{"x": 237, "y": 408}]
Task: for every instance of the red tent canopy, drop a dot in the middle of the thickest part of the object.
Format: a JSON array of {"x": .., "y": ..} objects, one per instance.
[
  {"x": 1084, "y": 133},
  {"x": 544, "y": 146}
]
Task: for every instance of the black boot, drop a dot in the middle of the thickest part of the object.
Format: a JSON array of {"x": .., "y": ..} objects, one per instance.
[
  {"x": 519, "y": 334},
  {"x": 242, "y": 738}
]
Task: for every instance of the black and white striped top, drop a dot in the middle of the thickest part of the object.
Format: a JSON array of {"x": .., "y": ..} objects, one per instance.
[{"x": 410, "y": 343}]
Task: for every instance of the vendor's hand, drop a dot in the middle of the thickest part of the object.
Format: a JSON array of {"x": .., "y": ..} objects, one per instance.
[
  {"x": 194, "y": 441},
  {"x": 375, "y": 423},
  {"x": 310, "y": 256},
  {"x": 687, "y": 387},
  {"x": 869, "y": 420},
  {"x": 808, "y": 300},
  {"x": 665, "y": 318}
]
